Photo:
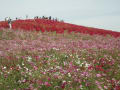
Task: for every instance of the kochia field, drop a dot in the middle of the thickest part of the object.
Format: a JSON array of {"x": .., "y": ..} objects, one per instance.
[{"x": 53, "y": 25}]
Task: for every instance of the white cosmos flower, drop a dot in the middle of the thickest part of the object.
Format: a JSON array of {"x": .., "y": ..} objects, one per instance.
[
  {"x": 4, "y": 67},
  {"x": 78, "y": 62},
  {"x": 55, "y": 48},
  {"x": 29, "y": 59},
  {"x": 69, "y": 74},
  {"x": 87, "y": 65}
]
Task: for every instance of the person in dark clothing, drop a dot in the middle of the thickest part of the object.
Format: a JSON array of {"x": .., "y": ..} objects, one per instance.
[
  {"x": 43, "y": 17},
  {"x": 16, "y": 18},
  {"x": 49, "y": 17},
  {"x": 36, "y": 17}
]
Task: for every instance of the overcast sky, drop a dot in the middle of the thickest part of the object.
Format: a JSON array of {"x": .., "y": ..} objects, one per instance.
[{"x": 93, "y": 13}]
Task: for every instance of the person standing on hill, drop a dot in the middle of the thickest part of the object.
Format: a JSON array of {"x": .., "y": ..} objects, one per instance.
[
  {"x": 6, "y": 19},
  {"x": 49, "y": 17},
  {"x": 10, "y": 23}
]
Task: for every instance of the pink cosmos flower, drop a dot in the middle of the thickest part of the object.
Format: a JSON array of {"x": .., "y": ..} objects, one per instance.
[
  {"x": 35, "y": 68},
  {"x": 47, "y": 84},
  {"x": 105, "y": 87},
  {"x": 98, "y": 75}
]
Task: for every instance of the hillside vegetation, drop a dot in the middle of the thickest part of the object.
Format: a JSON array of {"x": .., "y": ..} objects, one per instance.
[
  {"x": 55, "y": 26},
  {"x": 35, "y": 60}
]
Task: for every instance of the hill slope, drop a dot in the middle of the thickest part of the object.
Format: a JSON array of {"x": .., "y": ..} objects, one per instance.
[
  {"x": 51, "y": 25},
  {"x": 32, "y": 60}
]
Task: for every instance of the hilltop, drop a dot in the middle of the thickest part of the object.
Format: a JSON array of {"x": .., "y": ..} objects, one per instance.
[{"x": 57, "y": 26}]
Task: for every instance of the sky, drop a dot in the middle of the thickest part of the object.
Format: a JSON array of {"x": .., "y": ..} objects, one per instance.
[{"x": 104, "y": 14}]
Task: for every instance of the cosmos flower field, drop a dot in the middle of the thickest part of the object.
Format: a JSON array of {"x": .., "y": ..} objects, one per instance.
[{"x": 35, "y": 60}]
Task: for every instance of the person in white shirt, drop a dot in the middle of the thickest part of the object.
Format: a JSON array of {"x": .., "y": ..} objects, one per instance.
[{"x": 10, "y": 23}]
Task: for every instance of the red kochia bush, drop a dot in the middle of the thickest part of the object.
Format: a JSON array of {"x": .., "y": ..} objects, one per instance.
[{"x": 51, "y": 25}]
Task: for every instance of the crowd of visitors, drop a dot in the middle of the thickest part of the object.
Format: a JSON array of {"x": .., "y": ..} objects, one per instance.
[
  {"x": 9, "y": 20},
  {"x": 47, "y": 18}
]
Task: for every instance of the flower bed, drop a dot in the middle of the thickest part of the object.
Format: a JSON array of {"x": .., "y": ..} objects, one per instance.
[{"x": 48, "y": 61}]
